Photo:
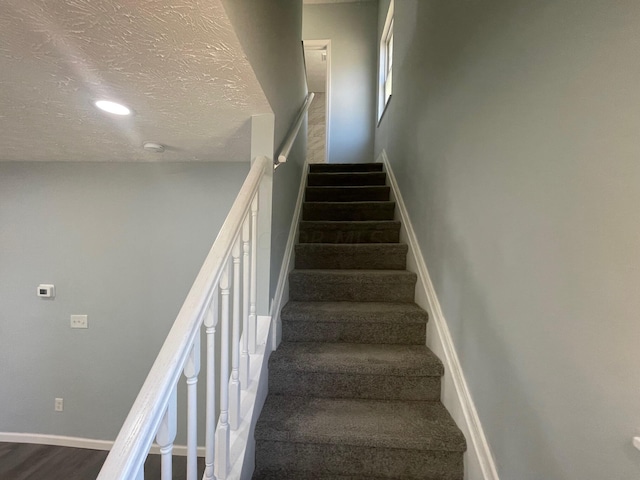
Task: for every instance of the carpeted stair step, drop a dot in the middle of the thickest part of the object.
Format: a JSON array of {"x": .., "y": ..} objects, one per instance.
[
  {"x": 348, "y": 211},
  {"x": 354, "y": 322},
  {"x": 352, "y": 285},
  {"x": 364, "y": 193},
  {"x": 346, "y": 370},
  {"x": 309, "y": 437},
  {"x": 350, "y": 232},
  {"x": 346, "y": 178},
  {"x": 378, "y": 256},
  {"x": 345, "y": 167},
  {"x": 299, "y": 475}
]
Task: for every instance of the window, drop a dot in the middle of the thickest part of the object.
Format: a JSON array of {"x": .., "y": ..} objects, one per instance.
[{"x": 386, "y": 63}]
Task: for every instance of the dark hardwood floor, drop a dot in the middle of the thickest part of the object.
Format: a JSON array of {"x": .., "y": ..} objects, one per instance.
[{"x": 23, "y": 461}]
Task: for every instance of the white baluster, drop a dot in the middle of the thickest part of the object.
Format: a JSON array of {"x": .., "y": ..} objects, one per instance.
[
  {"x": 210, "y": 323},
  {"x": 166, "y": 436},
  {"x": 244, "y": 355},
  {"x": 222, "y": 433},
  {"x": 254, "y": 279},
  {"x": 234, "y": 386},
  {"x": 191, "y": 371}
]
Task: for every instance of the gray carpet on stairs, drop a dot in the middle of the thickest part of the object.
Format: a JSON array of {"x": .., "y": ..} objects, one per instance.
[
  {"x": 360, "y": 256},
  {"x": 354, "y": 393},
  {"x": 346, "y": 179},
  {"x": 354, "y": 322},
  {"x": 365, "y": 193},
  {"x": 387, "y": 231}
]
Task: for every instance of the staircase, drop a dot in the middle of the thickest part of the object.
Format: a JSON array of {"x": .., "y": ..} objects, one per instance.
[{"x": 354, "y": 393}]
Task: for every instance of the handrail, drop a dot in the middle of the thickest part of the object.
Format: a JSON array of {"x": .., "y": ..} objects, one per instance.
[
  {"x": 293, "y": 133},
  {"x": 132, "y": 444}
]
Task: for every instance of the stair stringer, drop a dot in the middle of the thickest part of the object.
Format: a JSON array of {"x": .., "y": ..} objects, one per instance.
[
  {"x": 479, "y": 463},
  {"x": 281, "y": 296}
]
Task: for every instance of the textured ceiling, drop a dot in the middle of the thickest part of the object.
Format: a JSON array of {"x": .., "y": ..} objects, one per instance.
[{"x": 178, "y": 65}]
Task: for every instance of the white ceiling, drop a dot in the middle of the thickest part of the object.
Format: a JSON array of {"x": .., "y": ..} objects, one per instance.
[{"x": 178, "y": 65}]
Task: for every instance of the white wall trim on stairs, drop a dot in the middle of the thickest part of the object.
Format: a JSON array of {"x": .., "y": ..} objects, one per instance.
[
  {"x": 79, "y": 442},
  {"x": 479, "y": 461},
  {"x": 282, "y": 290}
]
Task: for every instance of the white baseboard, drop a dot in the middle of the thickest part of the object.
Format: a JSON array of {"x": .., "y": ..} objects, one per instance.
[
  {"x": 479, "y": 461},
  {"x": 79, "y": 442},
  {"x": 282, "y": 290}
]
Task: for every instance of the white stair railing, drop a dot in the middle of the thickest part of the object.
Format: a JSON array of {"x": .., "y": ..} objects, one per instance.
[
  {"x": 224, "y": 295},
  {"x": 295, "y": 128}
]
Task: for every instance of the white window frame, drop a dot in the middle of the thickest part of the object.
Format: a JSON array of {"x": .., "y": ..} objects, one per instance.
[{"x": 385, "y": 72}]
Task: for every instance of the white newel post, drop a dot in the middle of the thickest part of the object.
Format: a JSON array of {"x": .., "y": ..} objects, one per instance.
[
  {"x": 244, "y": 355},
  {"x": 210, "y": 323},
  {"x": 191, "y": 371},
  {"x": 263, "y": 273},
  {"x": 222, "y": 434},
  {"x": 234, "y": 386},
  {"x": 166, "y": 436}
]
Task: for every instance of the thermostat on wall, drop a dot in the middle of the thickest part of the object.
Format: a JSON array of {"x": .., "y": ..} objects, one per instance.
[{"x": 46, "y": 291}]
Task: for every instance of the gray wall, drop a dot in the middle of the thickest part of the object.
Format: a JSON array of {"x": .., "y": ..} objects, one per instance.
[
  {"x": 351, "y": 27},
  {"x": 122, "y": 243},
  {"x": 513, "y": 131},
  {"x": 271, "y": 35}
]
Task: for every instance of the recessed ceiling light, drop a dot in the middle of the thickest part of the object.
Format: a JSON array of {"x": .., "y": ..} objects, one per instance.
[{"x": 112, "y": 107}]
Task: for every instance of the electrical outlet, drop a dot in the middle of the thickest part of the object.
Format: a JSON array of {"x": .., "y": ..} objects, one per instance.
[
  {"x": 58, "y": 405},
  {"x": 79, "y": 321}
]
